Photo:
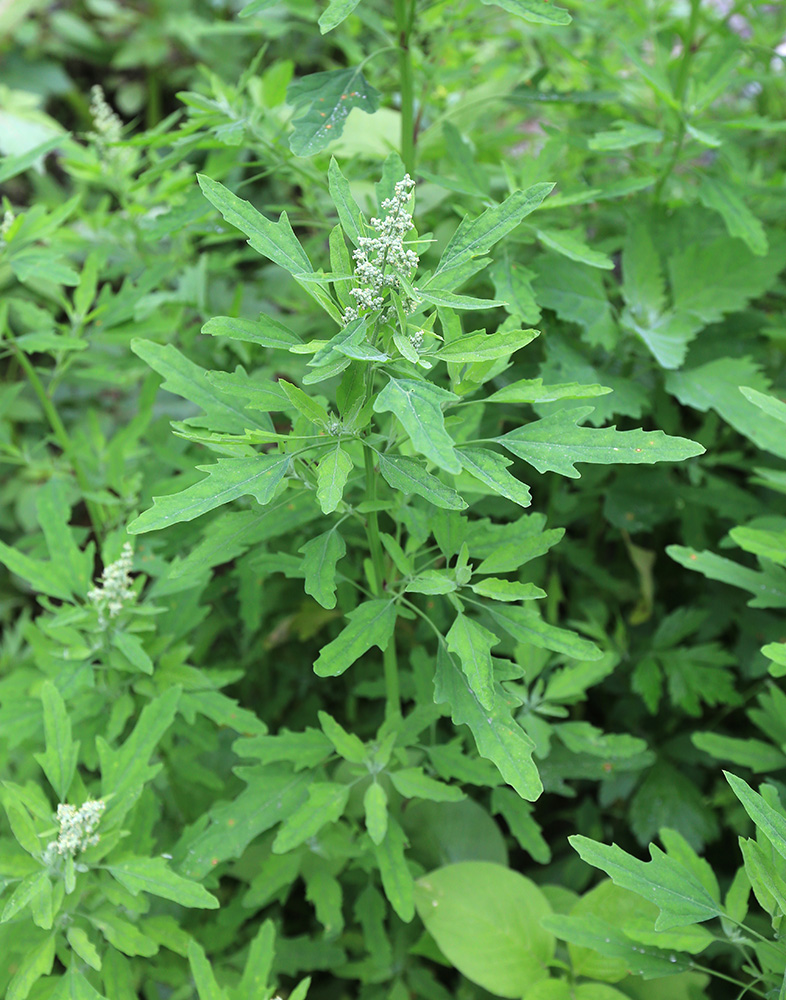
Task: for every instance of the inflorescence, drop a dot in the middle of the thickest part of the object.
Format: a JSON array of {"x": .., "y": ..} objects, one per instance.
[
  {"x": 382, "y": 261},
  {"x": 115, "y": 589},
  {"x": 77, "y": 829}
]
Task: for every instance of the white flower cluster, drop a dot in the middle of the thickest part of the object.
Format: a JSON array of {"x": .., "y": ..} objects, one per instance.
[
  {"x": 381, "y": 261},
  {"x": 115, "y": 589},
  {"x": 8, "y": 220},
  {"x": 77, "y": 829},
  {"x": 107, "y": 124}
]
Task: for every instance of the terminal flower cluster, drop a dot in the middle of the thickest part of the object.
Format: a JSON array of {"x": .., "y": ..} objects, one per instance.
[
  {"x": 115, "y": 590},
  {"x": 77, "y": 829},
  {"x": 381, "y": 261},
  {"x": 107, "y": 124}
]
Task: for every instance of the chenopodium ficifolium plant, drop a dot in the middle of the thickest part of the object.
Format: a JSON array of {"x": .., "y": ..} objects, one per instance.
[{"x": 393, "y": 430}]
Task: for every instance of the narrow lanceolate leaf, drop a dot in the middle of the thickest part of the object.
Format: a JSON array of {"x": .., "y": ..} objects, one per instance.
[
  {"x": 274, "y": 240},
  {"x": 349, "y": 214},
  {"x": 325, "y": 804},
  {"x": 375, "y": 805},
  {"x": 770, "y": 821},
  {"x": 320, "y": 557},
  {"x": 556, "y": 442},
  {"x": 537, "y": 11},
  {"x": 418, "y": 405},
  {"x": 680, "y": 896},
  {"x": 571, "y": 246},
  {"x": 413, "y": 783},
  {"x": 266, "y": 331},
  {"x": 348, "y": 745},
  {"x": 487, "y": 346},
  {"x": 153, "y": 875},
  {"x": 472, "y": 643},
  {"x": 36, "y": 962},
  {"x": 491, "y": 469},
  {"x": 335, "y": 12},
  {"x": 498, "y": 737},
  {"x": 324, "y": 101},
  {"x": 441, "y": 297},
  {"x": 477, "y": 236},
  {"x": 61, "y": 755},
  {"x": 332, "y": 475},
  {"x": 371, "y": 624},
  {"x": 202, "y": 971},
  {"x": 228, "y": 479},
  {"x": 526, "y": 625},
  {"x": 768, "y": 585},
  {"x": 396, "y": 877},
  {"x": 738, "y": 218},
  {"x": 409, "y": 476},
  {"x": 507, "y": 590}
]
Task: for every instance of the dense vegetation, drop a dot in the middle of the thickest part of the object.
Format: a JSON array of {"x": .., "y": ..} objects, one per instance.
[{"x": 392, "y": 536}]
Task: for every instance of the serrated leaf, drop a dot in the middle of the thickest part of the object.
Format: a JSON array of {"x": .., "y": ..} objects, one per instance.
[
  {"x": 332, "y": 473},
  {"x": 409, "y": 476},
  {"x": 324, "y": 101},
  {"x": 413, "y": 783},
  {"x": 84, "y": 947},
  {"x": 418, "y": 406},
  {"x": 205, "y": 981},
  {"x": 568, "y": 244},
  {"x": 491, "y": 469},
  {"x": 575, "y": 292},
  {"x": 396, "y": 877},
  {"x": 349, "y": 213},
  {"x": 275, "y": 240},
  {"x": 770, "y": 821},
  {"x": 497, "y": 736},
  {"x": 679, "y": 895},
  {"x": 472, "y": 643},
  {"x": 737, "y": 217},
  {"x": 320, "y": 557},
  {"x": 153, "y": 875},
  {"x": 347, "y": 745},
  {"x": 60, "y": 758},
  {"x": 518, "y": 815},
  {"x": 532, "y": 390},
  {"x": 266, "y": 331},
  {"x": 556, "y": 442},
  {"x": 526, "y": 625},
  {"x": 370, "y": 624},
  {"x": 475, "y": 237},
  {"x": 506, "y": 590},
  {"x": 375, "y": 805},
  {"x": 325, "y": 804},
  {"x": 227, "y": 480},
  {"x": 768, "y": 585},
  {"x": 486, "y": 346},
  {"x": 537, "y": 11}
]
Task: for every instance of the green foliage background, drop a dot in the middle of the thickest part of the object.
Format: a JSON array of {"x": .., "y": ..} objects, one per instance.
[{"x": 412, "y": 666}]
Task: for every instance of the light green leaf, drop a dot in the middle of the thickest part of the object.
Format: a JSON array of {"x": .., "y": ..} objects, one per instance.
[
  {"x": 537, "y": 11},
  {"x": 526, "y": 625},
  {"x": 84, "y": 947},
  {"x": 322, "y": 102},
  {"x": 332, "y": 473},
  {"x": 518, "y": 815},
  {"x": 770, "y": 821},
  {"x": 25, "y": 894},
  {"x": 768, "y": 586},
  {"x": 486, "y": 346},
  {"x": 266, "y": 331},
  {"x": 227, "y": 480},
  {"x": 498, "y": 737},
  {"x": 475, "y": 237},
  {"x": 576, "y": 293},
  {"x": 472, "y": 643},
  {"x": 409, "y": 476},
  {"x": 418, "y": 405},
  {"x": 347, "y": 745},
  {"x": 752, "y": 753},
  {"x": 679, "y": 895},
  {"x": 349, "y": 213},
  {"x": 275, "y": 240},
  {"x": 204, "y": 980},
  {"x": 487, "y": 920},
  {"x": 412, "y": 783},
  {"x": 74, "y": 986},
  {"x": 532, "y": 390},
  {"x": 491, "y": 469},
  {"x": 62, "y": 753},
  {"x": 624, "y": 135},
  {"x": 320, "y": 557},
  {"x": 153, "y": 875},
  {"x": 433, "y": 581},
  {"x": 131, "y": 647},
  {"x": 556, "y": 442},
  {"x": 762, "y": 542},
  {"x": 370, "y": 624},
  {"x": 506, "y": 590},
  {"x": 773, "y": 407},
  {"x": 776, "y": 651},
  {"x": 335, "y": 12},
  {"x": 325, "y": 804},
  {"x": 442, "y": 297},
  {"x": 738, "y": 218},
  {"x": 375, "y": 805},
  {"x": 396, "y": 877},
  {"x": 569, "y": 245},
  {"x": 37, "y": 962}
]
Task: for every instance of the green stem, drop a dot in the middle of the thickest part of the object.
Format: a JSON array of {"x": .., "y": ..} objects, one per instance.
[
  {"x": 389, "y": 658},
  {"x": 405, "y": 16},
  {"x": 61, "y": 435},
  {"x": 679, "y": 92}
]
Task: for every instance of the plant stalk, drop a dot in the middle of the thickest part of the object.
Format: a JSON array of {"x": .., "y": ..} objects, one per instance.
[
  {"x": 389, "y": 658},
  {"x": 405, "y": 16}
]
